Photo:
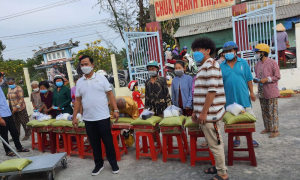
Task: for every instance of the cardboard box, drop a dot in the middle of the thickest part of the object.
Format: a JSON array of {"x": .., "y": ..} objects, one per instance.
[{"x": 238, "y": 128}]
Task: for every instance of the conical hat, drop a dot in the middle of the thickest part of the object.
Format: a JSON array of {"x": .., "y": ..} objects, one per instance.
[{"x": 280, "y": 27}]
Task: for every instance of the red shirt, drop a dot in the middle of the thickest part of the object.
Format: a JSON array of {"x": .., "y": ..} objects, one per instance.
[{"x": 137, "y": 98}]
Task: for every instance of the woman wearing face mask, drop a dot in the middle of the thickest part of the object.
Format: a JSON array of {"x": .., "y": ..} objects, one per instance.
[
  {"x": 267, "y": 75},
  {"x": 46, "y": 98},
  {"x": 157, "y": 96},
  {"x": 17, "y": 105},
  {"x": 61, "y": 97},
  {"x": 182, "y": 89},
  {"x": 168, "y": 54},
  {"x": 35, "y": 97}
]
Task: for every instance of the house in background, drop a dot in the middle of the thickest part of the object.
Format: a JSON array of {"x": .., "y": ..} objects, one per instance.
[{"x": 59, "y": 54}]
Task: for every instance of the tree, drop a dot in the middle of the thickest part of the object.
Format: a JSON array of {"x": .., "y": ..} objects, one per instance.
[
  {"x": 125, "y": 13},
  {"x": 39, "y": 74},
  {"x": 100, "y": 55},
  {"x": 169, "y": 28},
  {"x": 13, "y": 68},
  {"x": 2, "y": 47}
]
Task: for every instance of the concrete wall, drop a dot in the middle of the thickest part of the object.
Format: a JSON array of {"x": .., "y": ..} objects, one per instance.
[{"x": 290, "y": 77}]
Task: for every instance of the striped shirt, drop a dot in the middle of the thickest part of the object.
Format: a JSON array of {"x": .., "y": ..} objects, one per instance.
[{"x": 209, "y": 79}]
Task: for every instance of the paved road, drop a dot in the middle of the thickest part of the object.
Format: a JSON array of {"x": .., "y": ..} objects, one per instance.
[{"x": 277, "y": 158}]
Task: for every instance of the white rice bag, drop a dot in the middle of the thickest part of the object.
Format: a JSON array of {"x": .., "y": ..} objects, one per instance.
[
  {"x": 235, "y": 109},
  {"x": 168, "y": 113}
]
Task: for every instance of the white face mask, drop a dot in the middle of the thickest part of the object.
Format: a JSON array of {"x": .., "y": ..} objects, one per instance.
[
  {"x": 36, "y": 90},
  {"x": 257, "y": 56},
  {"x": 86, "y": 69}
]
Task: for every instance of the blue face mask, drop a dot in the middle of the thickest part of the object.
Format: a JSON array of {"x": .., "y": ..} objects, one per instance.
[
  {"x": 169, "y": 49},
  {"x": 59, "y": 84},
  {"x": 43, "y": 91},
  {"x": 229, "y": 56},
  {"x": 198, "y": 56},
  {"x": 12, "y": 86}
]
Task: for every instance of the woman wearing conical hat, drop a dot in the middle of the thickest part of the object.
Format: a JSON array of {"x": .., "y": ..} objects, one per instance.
[{"x": 282, "y": 42}]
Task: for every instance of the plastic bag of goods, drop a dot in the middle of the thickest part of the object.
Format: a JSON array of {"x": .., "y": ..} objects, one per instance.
[
  {"x": 146, "y": 114},
  {"x": 235, "y": 109}
]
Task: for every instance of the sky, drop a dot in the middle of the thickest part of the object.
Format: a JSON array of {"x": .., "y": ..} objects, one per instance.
[{"x": 78, "y": 13}]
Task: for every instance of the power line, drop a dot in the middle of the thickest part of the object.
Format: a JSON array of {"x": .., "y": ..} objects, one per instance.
[
  {"x": 33, "y": 45},
  {"x": 82, "y": 25},
  {"x": 61, "y": 3},
  {"x": 27, "y": 52}
]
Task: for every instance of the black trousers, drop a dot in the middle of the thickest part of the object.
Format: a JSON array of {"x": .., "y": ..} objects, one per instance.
[
  {"x": 97, "y": 130},
  {"x": 11, "y": 127}
]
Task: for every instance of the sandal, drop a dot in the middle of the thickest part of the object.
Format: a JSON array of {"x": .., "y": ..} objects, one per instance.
[
  {"x": 218, "y": 178},
  {"x": 11, "y": 154},
  {"x": 255, "y": 144},
  {"x": 212, "y": 170},
  {"x": 264, "y": 131},
  {"x": 274, "y": 134},
  {"x": 236, "y": 143},
  {"x": 23, "y": 150}
]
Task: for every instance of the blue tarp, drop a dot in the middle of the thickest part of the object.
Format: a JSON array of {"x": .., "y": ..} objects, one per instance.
[{"x": 289, "y": 22}]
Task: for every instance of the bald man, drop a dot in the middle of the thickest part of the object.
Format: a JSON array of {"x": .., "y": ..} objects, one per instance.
[{"x": 128, "y": 106}]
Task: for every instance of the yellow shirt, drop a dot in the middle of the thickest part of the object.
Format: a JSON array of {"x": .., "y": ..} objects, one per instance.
[{"x": 131, "y": 108}]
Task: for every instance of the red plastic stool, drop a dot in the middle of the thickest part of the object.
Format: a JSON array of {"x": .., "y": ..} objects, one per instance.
[
  {"x": 86, "y": 149},
  {"x": 168, "y": 133},
  {"x": 64, "y": 146},
  {"x": 194, "y": 134},
  {"x": 35, "y": 143},
  {"x": 244, "y": 129},
  {"x": 47, "y": 144},
  {"x": 119, "y": 150},
  {"x": 73, "y": 148},
  {"x": 154, "y": 150}
]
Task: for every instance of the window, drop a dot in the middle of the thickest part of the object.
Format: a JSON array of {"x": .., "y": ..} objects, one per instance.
[
  {"x": 53, "y": 55},
  {"x": 49, "y": 57},
  {"x": 63, "y": 54},
  {"x": 58, "y": 55}
]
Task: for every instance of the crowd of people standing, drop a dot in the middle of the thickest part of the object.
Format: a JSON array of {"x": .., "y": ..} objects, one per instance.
[{"x": 204, "y": 98}]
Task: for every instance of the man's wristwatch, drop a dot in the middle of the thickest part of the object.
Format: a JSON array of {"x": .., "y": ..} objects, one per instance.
[{"x": 117, "y": 111}]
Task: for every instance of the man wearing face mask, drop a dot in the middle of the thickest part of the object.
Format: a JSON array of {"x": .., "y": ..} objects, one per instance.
[
  {"x": 209, "y": 101},
  {"x": 237, "y": 78},
  {"x": 182, "y": 89},
  {"x": 91, "y": 91},
  {"x": 267, "y": 75},
  {"x": 157, "y": 96}
]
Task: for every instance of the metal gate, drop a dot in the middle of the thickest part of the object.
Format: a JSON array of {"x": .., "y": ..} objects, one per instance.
[
  {"x": 142, "y": 47},
  {"x": 253, "y": 28}
]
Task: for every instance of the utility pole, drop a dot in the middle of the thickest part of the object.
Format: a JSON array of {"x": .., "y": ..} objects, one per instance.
[{"x": 152, "y": 11}]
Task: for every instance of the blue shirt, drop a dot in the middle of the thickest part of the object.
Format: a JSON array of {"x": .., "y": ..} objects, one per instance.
[
  {"x": 235, "y": 82},
  {"x": 186, "y": 83},
  {"x": 4, "y": 108}
]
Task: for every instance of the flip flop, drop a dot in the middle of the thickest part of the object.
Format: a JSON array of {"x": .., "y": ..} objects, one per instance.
[
  {"x": 11, "y": 154},
  {"x": 236, "y": 143},
  {"x": 23, "y": 150},
  {"x": 219, "y": 178},
  {"x": 212, "y": 170},
  {"x": 255, "y": 144}
]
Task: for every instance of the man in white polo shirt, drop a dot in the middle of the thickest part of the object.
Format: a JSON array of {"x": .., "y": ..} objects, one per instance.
[{"x": 91, "y": 91}]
